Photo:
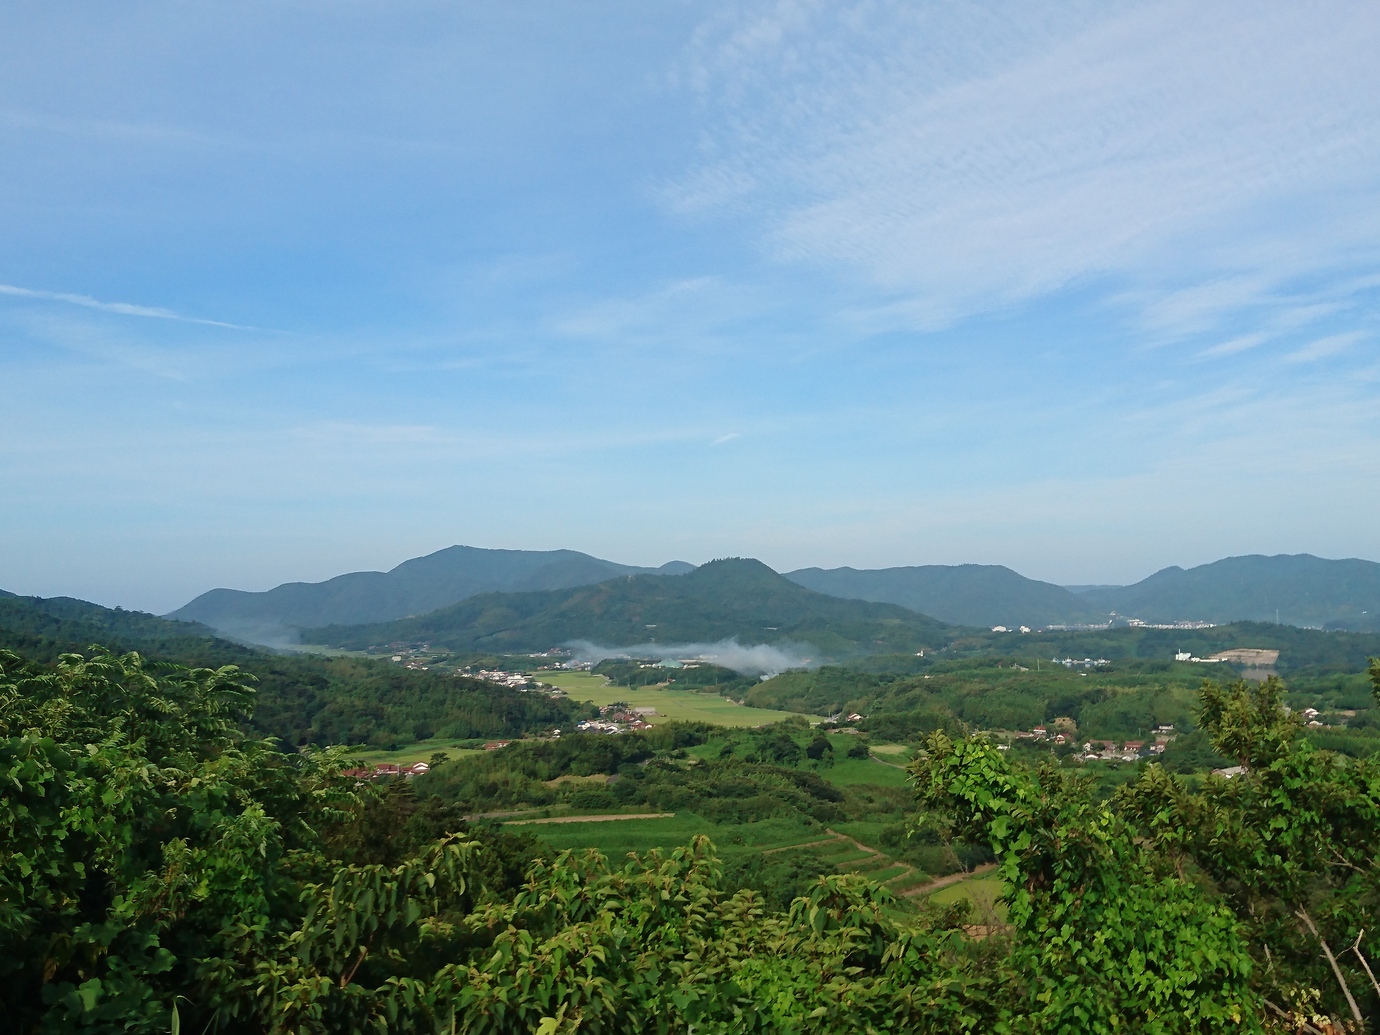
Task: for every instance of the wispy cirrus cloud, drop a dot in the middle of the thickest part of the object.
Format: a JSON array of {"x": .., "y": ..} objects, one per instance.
[
  {"x": 1231, "y": 347},
  {"x": 965, "y": 157},
  {"x": 1324, "y": 347},
  {"x": 120, "y": 308}
]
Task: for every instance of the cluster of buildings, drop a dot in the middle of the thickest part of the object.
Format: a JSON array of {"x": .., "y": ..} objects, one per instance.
[
  {"x": 1311, "y": 716},
  {"x": 409, "y": 655},
  {"x": 389, "y": 769},
  {"x": 1084, "y": 662},
  {"x": 1118, "y": 621},
  {"x": 1251, "y": 657},
  {"x": 1128, "y": 751},
  {"x": 618, "y": 719},
  {"x": 512, "y": 680},
  {"x": 1063, "y": 731}
]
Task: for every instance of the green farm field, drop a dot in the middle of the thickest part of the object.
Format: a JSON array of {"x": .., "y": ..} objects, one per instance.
[
  {"x": 850, "y": 771},
  {"x": 417, "y": 751},
  {"x": 983, "y": 892},
  {"x": 615, "y": 838},
  {"x": 670, "y": 705}
]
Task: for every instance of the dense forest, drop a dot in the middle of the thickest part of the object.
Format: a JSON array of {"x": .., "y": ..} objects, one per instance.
[
  {"x": 162, "y": 865},
  {"x": 301, "y": 699}
]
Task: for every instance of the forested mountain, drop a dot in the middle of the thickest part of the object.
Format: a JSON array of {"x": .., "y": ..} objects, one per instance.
[
  {"x": 961, "y": 594},
  {"x": 1303, "y": 589},
  {"x": 301, "y": 699},
  {"x": 414, "y": 587},
  {"x": 720, "y": 600}
]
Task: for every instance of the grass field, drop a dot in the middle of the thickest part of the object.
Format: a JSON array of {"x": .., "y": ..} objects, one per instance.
[
  {"x": 982, "y": 892},
  {"x": 683, "y": 705},
  {"x": 893, "y": 752},
  {"x": 417, "y": 751},
  {"x": 846, "y": 771},
  {"x": 616, "y": 838}
]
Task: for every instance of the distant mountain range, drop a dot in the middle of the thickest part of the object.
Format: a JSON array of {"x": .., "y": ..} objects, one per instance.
[
  {"x": 723, "y": 599},
  {"x": 727, "y": 599},
  {"x": 1298, "y": 589},
  {"x": 1305, "y": 590},
  {"x": 414, "y": 587},
  {"x": 1295, "y": 589},
  {"x": 963, "y": 594}
]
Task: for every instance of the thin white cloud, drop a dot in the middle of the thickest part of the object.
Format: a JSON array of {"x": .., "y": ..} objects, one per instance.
[
  {"x": 725, "y": 439},
  {"x": 758, "y": 659},
  {"x": 122, "y": 308},
  {"x": 963, "y": 157},
  {"x": 685, "y": 305},
  {"x": 1324, "y": 347},
  {"x": 1234, "y": 345}
]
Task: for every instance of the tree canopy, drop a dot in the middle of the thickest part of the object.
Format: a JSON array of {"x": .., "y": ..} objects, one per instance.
[{"x": 161, "y": 867}]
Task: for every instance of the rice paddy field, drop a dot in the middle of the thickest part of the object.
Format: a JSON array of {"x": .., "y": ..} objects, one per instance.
[{"x": 670, "y": 705}]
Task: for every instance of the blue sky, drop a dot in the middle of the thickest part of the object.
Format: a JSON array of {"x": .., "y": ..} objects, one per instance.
[{"x": 293, "y": 289}]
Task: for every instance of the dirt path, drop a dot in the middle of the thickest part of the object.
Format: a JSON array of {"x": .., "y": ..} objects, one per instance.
[
  {"x": 590, "y": 819},
  {"x": 953, "y": 878},
  {"x": 803, "y": 844},
  {"x": 894, "y": 765},
  {"x": 836, "y": 838},
  {"x": 500, "y": 815}
]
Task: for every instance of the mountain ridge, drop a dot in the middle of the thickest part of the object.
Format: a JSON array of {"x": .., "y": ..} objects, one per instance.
[
  {"x": 416, "y": 586},
  {"x": 1307, "y": 591},
  {"x": 960, "y": 594},
  {"x": 728, "y": 598}
]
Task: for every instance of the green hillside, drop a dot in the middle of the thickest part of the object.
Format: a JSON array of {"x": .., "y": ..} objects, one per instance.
[
  {"x": 300, "y": 699},
  {"x": 1300, "y": 589},
  {"x": 416, "y": 586},
  {"x": 44, "y": 627},
  {"x": 961, "y": 594},
  {"x": 734, "y": 598}
]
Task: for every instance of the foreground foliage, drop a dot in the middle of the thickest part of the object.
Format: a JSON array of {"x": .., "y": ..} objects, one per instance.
[{"x": 159, "y": 868}]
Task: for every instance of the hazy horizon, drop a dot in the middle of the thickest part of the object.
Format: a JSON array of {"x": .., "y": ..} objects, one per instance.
[
  {"x": 1073, "y": 586},
  {"x": 289, "y": 291}
]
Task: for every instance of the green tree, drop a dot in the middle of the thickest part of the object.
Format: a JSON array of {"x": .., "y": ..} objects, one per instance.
[
  {"x": 1292, "y": 845},
  {"x": 1104, "y": 938}
]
